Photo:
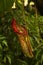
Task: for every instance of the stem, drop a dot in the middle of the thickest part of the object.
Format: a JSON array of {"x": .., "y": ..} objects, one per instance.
[{"x": 23, "y": 11}]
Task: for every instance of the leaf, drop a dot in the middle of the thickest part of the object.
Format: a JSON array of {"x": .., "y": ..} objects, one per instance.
[
  {"x": 4, "y": 60},
  {"x": 0, "y": 46},
  {"x": 2, "y": 37},
  {"x": 9, "y": 59},
  {"x": 4, "y": 42},
  {"x": 38, "y": 54},
  {"x": 21, "y": 62},
  {"x": 5, "y": 5},
  {"x": 37, "y": 63},
  {"x": 42, "y": 59}
]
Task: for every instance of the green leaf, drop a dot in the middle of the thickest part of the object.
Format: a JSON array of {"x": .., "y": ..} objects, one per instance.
[
  {"x": 21, "y": 62},
  {"x": 0, "y": 46},
  {"x": 5, "y": 5},
  {"x": 4, "y": 42},
  {"x": 4, "y": 60},
  {"x": 2, "y": 37},
  {"x": 9, "y": 59},
  {"x": 42, "y": 59},
  {"x": 37, "y": 63}
]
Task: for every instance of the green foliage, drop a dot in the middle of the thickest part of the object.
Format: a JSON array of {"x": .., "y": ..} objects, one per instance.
[
  {"x": 5, "y": 6},
  {"x": 10, "y": 49}
]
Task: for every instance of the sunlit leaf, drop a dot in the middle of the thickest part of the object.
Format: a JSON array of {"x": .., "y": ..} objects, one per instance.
[
  {"x": 9, "y": 59},
  {"x": 4, "y": 42},
  {"x": 42, "y": 59},
  {"x": 4, "y": 59}
]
